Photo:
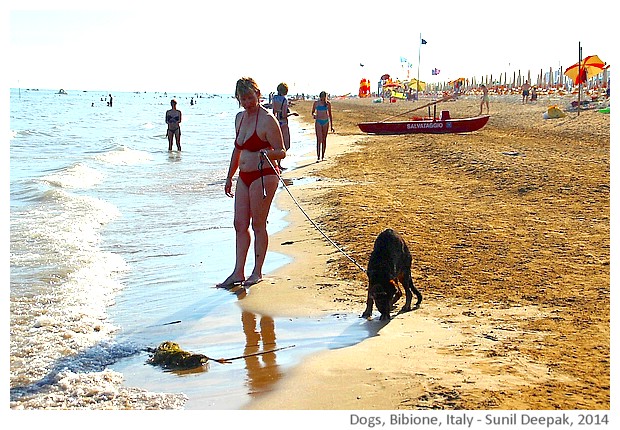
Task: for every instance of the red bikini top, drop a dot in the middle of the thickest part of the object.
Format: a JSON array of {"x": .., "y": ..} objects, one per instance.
[{"x": 254, "y": 143}]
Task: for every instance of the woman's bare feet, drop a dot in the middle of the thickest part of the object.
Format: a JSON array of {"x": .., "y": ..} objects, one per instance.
[
  {"x": 252, "y": 280},
  {"x": 231, "y": 281}
]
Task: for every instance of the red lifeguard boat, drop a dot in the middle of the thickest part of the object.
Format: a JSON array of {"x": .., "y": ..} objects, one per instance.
[{"x": 443, "y": 124}]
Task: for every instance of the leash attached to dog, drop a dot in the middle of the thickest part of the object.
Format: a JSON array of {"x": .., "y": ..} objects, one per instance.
[{"x": 308, "y": 217}]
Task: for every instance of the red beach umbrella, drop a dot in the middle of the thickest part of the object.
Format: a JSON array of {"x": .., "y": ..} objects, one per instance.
[{"x": 589, "y": 66}]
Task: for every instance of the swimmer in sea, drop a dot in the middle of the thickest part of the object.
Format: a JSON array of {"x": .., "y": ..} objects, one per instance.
[{"x": 173, "y": 119}]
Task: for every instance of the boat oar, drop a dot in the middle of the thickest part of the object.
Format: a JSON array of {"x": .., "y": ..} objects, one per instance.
[{"x": 445, "y": 98}]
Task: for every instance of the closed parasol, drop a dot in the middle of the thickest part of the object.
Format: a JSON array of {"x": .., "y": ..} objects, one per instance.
[{"x": 584, "y": 70}]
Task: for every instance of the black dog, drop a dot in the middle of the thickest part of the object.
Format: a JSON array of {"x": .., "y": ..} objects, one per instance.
[{"x": 390, "y": 262}]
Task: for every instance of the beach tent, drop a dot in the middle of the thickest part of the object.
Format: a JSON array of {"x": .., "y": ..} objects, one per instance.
[{"x": 414, "y": 83}]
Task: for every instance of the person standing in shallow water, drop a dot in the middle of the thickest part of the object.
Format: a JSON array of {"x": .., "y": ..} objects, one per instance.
[
  {"x": 173, "y": 119},
  {"x": 258, "y": 147},
  {"x": 322, "y": 113}
]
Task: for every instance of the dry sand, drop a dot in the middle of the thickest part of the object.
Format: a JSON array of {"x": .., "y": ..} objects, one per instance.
[{"x": 509, "y": 228}]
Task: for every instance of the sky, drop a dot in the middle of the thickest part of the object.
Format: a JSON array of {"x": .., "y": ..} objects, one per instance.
[{"x": 205, "y": 46}]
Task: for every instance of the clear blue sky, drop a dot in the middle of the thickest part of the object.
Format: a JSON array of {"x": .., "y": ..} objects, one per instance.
[{"x": 204, "y": 46}]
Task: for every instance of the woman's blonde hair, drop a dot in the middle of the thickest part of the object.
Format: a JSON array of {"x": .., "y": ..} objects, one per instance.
[{"x": 246, "y": 86}]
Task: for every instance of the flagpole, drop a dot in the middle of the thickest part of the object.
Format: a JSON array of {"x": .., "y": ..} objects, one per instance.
[
  {"x": 579, "y": 78},
  {"x": 417, "y": 84}
]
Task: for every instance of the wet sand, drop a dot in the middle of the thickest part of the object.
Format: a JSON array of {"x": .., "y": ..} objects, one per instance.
[{"x": 509, "y": 228}]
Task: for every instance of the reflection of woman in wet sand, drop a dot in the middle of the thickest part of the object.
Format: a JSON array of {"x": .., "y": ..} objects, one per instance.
[
  {"x": 322, "y": 113},
  {"x": 263, "y": 370}
]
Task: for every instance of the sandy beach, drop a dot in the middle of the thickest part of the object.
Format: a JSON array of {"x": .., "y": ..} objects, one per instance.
[{"x": 509, "y": 228}]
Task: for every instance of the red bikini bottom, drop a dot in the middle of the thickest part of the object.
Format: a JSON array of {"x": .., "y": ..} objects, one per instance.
[{"x": 249, "y": 177}]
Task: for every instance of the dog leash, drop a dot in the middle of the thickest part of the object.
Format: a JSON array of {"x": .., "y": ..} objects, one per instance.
[{"x": 334, "y": 244}]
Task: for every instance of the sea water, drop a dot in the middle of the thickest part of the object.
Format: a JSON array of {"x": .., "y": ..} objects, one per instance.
[{"x": 116, "y": 245}]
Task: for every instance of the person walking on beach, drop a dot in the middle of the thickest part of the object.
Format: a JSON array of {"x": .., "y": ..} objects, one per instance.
[
  {"x": 281, "y": 112},
  {"x": 485, "y": 98},
  {"x": 322, "y": 113},
  {"x": 258, "y": 144},
  {"x": 173, "y": 119},
  {"x": 526, "y": 92}
]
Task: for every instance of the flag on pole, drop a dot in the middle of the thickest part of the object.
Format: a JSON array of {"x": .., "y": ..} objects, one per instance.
[
  {"x": 436, "y": 71},
  {"x": 423, "y": 42}
]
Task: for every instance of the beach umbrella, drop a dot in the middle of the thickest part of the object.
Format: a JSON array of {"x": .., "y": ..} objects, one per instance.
[
  {"x": 580, "y": 72},
  {"x": 385, "y": 77},
  {"x": 414, "y": 83}
]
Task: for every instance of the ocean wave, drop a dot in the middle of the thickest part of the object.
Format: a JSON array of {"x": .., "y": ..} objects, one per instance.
[
  {"x": 82, "y": 381},
  {"x": 78, "y": 176},
  {"x": 102, "y": 391},
  {"x": 57, "y": 228},
  {"x": 125, "y": 156}
]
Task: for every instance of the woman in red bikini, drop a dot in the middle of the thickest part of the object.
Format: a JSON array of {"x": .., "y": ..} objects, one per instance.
[{"x": 258, "y": 137}]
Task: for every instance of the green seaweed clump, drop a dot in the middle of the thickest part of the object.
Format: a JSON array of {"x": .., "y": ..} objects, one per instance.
[{"x": 169, "y": 355}]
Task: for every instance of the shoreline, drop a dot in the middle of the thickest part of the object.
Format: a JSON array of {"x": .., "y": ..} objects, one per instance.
[{"x": 477, "y": 353}]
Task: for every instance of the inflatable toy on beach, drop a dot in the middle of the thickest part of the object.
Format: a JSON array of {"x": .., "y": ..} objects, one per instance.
[{"x": 364, "y": 88}]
